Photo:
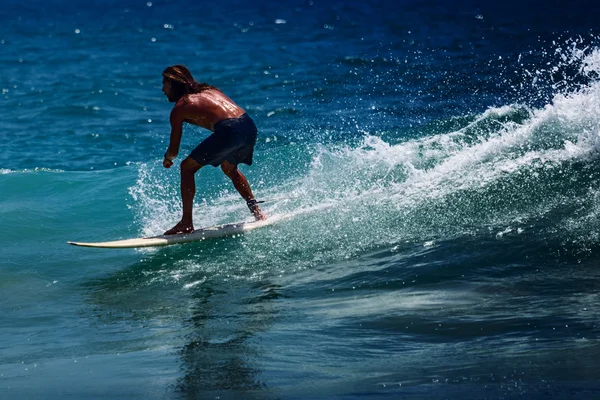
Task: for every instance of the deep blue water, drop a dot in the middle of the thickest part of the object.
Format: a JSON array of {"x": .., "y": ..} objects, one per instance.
[{"x": 438, "y": 165}]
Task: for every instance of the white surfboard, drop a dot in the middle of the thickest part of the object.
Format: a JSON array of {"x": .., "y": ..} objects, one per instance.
[{"x": 166, "y": 240}]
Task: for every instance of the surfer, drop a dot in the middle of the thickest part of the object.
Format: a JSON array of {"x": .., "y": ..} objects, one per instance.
[{"x": 232, "y": 141}]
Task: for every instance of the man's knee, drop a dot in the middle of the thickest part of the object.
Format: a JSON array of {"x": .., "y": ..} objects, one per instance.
[{"x": 189, "y": 166}]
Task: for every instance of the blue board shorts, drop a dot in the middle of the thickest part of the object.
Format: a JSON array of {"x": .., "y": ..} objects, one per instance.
[{"x": 233, "y": 140}]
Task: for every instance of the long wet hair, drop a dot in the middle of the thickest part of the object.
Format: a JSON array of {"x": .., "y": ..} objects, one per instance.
[{"x": 182, "y": 81}]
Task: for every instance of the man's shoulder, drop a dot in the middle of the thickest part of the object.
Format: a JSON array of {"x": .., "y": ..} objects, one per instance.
[
  {"x": 190, "y": 101},
  {"x": 182, "y": 109}
]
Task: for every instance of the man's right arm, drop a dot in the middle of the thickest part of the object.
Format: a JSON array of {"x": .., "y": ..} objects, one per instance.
[{"x": 176, "y": 120}]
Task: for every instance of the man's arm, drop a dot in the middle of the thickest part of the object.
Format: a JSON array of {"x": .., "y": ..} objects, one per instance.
[{"x": 176, "y": 120}]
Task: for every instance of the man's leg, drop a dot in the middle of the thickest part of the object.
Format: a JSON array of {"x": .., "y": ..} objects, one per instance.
[
  {"x": 243, "y": 187},
  {"x": 189, "y": 167}
]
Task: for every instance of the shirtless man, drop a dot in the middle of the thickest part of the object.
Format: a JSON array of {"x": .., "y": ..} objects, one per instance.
[{"x": 232, "y": 141}]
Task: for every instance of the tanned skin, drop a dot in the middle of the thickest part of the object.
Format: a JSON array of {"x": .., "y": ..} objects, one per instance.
[{"x": 204, "y": 109}]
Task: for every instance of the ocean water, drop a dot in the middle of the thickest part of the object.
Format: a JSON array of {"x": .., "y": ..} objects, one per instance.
[{"x": 438, "y": 165}]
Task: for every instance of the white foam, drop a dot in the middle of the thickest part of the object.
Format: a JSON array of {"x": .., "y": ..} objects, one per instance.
[
  {"x": 154, "y": 201},
  {"x": 591, "y": 63},
  {"x": 373, "y": 179},
  {"x": 4, "y": 171},
  {"x": 194, "y": 284}
]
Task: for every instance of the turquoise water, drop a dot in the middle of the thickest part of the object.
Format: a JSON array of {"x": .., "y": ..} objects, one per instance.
[{"x": 437, "y": 166}]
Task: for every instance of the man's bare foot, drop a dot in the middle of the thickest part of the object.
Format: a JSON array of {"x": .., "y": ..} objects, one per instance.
[
  {"x": 258, "y": 214},
  {"x": 181, "y": 227},
  {"x": 255, "y": 210}
]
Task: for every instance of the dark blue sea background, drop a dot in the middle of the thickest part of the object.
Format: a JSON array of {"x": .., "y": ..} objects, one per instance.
[{"x": 437, "y": 165}]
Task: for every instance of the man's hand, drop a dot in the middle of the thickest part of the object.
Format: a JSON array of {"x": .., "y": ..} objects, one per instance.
[
  {"x": 168, "y": 160},
  {"x": 167, "y": 163}
]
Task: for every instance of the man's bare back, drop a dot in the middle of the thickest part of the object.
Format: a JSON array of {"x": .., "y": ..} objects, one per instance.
[{"x": 207, "y": 108}]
